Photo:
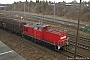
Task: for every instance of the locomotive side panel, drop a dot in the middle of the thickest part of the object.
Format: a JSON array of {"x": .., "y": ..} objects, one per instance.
[
  {"x": 45, "y": 35},
  {"x": 50, "y": 37},
  {"x": 38, "y": 34},
  {"x": 55, "y": 37},
  {"x": 31, "y": 31},
  {"x": 28, "y": 30}
]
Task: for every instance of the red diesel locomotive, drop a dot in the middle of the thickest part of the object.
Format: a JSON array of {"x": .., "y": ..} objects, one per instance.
[{"x": 45, "y": 33}]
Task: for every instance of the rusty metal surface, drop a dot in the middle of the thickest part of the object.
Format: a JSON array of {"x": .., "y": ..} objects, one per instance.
[{"x": 8, "y": 54}]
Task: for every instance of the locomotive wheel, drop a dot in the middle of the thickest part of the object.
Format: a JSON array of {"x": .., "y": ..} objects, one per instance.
[
  {"x": 42, "y": 43},
  {"x": 57, "y": 48},
  {"x": 35, "y": 40},
  {"x": 22, "y": 35}
]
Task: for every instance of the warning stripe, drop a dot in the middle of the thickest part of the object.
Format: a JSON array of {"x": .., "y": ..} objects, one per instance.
[{"x": 6, "y": 52}]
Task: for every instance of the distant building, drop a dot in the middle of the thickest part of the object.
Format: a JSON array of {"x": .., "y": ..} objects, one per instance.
[
  {"x": 2, "y": 7},
  {"x": 68, "y": 4}
]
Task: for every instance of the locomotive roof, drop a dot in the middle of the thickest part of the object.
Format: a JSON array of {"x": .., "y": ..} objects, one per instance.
[
  {"x": 41, "y": 26},
  {"x": 58, "y": 32}
]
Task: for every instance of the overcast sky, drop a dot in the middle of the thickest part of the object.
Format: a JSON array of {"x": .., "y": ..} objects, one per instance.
[{"x": 11, "y": 1}]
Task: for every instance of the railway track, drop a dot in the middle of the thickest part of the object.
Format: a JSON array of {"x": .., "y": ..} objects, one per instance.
[
  {"x": 81, "y": 45},
  {"x": 81, "y": 37},
  {"x": 71, "y": 54},
  {"x": 59, "y": 21}
]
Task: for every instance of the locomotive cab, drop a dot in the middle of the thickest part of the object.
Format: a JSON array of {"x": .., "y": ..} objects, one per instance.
[
  {"x": 38, "y": 31},
  {"x": 42, "y": 27}
]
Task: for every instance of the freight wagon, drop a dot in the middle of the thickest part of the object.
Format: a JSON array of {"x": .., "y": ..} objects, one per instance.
[{"x": 12, "y": 24}]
